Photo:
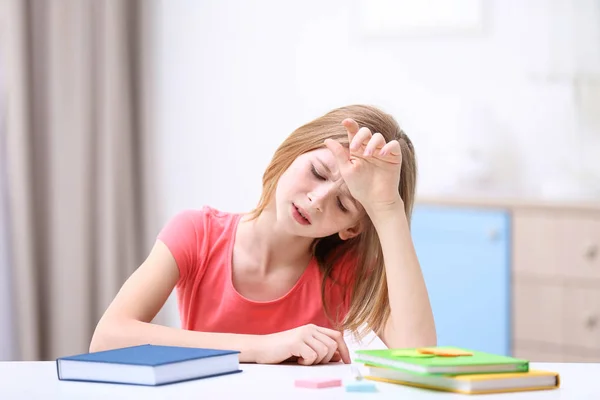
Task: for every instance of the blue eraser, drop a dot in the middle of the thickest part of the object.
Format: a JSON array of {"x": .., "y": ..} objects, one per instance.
[{"x": 361, "y": 387}]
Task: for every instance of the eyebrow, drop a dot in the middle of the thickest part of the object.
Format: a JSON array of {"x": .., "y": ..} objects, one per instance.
[
  {"x": 325, "y": 166},
  {"x": 346, "y": 192}
]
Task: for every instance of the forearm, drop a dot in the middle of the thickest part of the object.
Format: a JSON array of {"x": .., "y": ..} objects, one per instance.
[
  {"x": 116, "y": 334},
  {"x": 411, "y": 323}
]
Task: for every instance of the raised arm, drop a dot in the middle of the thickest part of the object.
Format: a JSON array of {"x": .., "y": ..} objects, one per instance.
[
  {"x": 411, "y": 322},
  {"x": 372, "y": 170}
]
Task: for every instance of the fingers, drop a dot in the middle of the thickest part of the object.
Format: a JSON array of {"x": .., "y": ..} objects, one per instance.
[
  {"x": 391, "y": 148},
  {"x": 376, "y": 143},
  {"x": 306, "y": 355},
  {"x": 340, "y": 153},
  {"x": 361, "y": 139},
  {"x": 336, "y": 357},
  {"x": 329, "y": 342},
  {"x": 391, "y": 152},
  {"x": 366, "y": 144},
  {"x": 351, "y": 127},
  {"x": 320, "y": 345},
  {"x": 320, "y": 348},
  {"x": 341, "y": 344}
]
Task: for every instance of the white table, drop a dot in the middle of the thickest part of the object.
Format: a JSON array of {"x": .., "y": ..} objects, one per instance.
[{"x": 37, "y": 380}]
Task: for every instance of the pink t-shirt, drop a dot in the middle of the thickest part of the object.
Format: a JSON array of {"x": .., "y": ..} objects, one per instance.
[{"x": 201, "y": 242}]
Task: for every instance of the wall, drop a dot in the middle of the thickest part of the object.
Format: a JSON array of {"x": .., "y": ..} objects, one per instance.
[{"x": 510, "y": 108}]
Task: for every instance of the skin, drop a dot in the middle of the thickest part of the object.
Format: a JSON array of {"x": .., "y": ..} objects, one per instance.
[{"x": 335, "y": 188}]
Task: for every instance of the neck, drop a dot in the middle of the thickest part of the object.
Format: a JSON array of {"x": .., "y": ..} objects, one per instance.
[{"x": 271, "y": 247}]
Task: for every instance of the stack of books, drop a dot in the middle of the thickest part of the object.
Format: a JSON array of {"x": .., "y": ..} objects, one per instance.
[{"x": 455, "y": 369}]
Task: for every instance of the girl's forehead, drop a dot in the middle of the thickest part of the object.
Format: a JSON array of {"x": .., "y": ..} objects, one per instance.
[
  {"x": 324, "y": 157},
  {"x": 323, "y": 153}
]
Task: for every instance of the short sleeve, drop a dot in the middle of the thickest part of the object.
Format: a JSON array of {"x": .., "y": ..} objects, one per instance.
[{"x": 184, "y": 237}]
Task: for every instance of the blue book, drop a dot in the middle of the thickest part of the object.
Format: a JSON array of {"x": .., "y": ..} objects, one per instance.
[{"x": 148, "y": 365}]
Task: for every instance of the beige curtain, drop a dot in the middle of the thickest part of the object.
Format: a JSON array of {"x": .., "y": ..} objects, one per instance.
[
  {"x": 79, "y": 144},
  {"x": 6, "y": 309}
]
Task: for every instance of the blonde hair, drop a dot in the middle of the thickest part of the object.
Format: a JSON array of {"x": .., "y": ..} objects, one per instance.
[{"x": 369, "y": 306}]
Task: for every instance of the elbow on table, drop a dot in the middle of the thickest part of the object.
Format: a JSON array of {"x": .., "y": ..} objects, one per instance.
[{"x": 103, "y": 337}]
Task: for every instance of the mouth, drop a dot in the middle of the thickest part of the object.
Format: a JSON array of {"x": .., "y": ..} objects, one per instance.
[{"x": 301, "y": 215}]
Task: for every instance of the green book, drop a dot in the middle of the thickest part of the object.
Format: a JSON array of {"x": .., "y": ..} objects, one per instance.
[{"x": 442, "y": 360}]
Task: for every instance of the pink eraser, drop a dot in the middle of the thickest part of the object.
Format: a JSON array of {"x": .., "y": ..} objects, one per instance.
[{"x": 318, "y": 383}]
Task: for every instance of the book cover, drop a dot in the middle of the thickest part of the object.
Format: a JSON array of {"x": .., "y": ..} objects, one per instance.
[
  {"x": 148, "y": 354},
  {"x": 442, "y": 360}
]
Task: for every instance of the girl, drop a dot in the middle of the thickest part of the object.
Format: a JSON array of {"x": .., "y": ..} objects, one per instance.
[{"x": 327, "y": 249}]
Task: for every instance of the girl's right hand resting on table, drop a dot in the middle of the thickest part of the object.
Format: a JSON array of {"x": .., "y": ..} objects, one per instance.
[{"x": 308, "y": 345}]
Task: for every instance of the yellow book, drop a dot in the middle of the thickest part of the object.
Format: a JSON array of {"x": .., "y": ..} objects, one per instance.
[{"x": 471, "y": 383}]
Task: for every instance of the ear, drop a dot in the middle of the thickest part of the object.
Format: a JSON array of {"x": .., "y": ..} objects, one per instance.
[{"x": 351, "y": 232}]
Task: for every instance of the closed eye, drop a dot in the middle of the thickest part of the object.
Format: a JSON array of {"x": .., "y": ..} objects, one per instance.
[
  {"x": 322, "y": 178},
  {"x": 316, "y": 173},
  {"x": 341, "y": 206}
]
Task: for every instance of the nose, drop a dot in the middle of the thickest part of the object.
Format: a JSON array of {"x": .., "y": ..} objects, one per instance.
[
  {"x": 318, "y": 197},
  {"x": 315, "y": 201}
]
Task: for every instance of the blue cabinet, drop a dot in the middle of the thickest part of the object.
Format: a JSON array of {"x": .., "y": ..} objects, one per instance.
[{"x": 465, "y": 257}]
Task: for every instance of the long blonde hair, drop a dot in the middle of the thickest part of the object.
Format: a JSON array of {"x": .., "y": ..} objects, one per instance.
[{"x": 369, "y": 306}]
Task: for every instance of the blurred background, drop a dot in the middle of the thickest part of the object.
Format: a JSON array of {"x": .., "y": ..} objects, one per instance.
[{"x": 115, "y": 115}]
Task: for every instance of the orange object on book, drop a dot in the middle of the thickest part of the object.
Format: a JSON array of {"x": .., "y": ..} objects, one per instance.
[{"x": 444, "y": 352}]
